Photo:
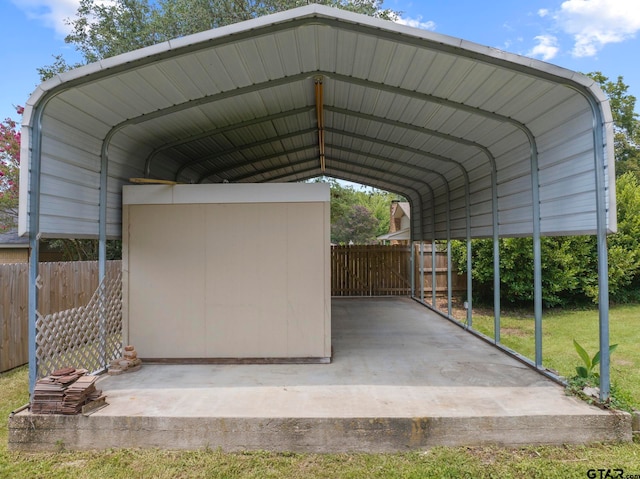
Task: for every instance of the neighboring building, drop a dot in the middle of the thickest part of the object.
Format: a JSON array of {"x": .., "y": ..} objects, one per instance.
[
  {"x": 13, "y": 248},
  {"x": 399, "y": 224}
]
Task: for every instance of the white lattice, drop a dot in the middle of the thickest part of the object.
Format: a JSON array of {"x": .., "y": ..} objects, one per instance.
[{"x": 88, "y": 337}]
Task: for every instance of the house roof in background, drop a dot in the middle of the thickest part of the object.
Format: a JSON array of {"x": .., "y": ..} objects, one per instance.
[
  {"x": 404, "y": 234},
  {"x": 403, "y": 208},
  {"x": 10, "y": 239}
]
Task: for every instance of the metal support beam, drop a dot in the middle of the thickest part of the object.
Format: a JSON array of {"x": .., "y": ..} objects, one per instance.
[
  {"x": 467, "y": 197},
  {"x": 102, "y": 250},
  {"x": 320, "y": 119},
  {"x": 496, "y": 257},
  {"x": 537, "y": 255},
  {"x": 496, "y": 286},
  {"x": 34, "y": 252},
  {"x": 422, "y": 271},
  {"x": 449, "y": 308},
  {"x": 469, "y": 307},
  {"x": 601, "y": 237},
  {"x": 603, "y": 293},
  {"x": 434, "y": 273},
  {"x": 34, "y": 242},
  {"x": 412, "y": 265}
]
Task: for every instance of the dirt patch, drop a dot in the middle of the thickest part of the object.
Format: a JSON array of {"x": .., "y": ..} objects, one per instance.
[
  {"x": 519, "y": 333},
  {"x": 621, "y": 362},
  {"x": 79, "y": 463}
]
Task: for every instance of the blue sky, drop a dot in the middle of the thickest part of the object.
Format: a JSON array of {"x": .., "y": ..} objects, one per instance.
[{"x": 582, "y": 35}]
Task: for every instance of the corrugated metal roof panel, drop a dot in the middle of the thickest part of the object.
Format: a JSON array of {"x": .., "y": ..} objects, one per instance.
[{"x": 408, "y": 110}]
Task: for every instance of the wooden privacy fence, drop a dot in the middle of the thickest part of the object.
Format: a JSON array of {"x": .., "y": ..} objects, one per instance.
[
  {"x": 458, "y": 281},
  {"x": 370, "y": 270},
  {"x": 66, "y": 286},
  {"x": 385, "y": 270}
]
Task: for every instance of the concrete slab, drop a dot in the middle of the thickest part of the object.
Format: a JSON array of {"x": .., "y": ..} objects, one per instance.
[{"x": 401, "y": 378}]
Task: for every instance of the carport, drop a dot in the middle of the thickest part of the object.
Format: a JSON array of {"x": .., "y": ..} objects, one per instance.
[{"x": 482, "y": 143}]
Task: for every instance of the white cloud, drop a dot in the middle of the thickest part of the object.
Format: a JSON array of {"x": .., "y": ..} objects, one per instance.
[
  {"x": 595, "y": 23},
  {"x": 52, "y": 13},
  {"x": 547, "y": 47},
  {"x": 543, "y": 12},
  {"x": 416, "y": 23}
]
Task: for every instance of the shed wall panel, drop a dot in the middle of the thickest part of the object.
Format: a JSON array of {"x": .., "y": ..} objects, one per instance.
[
  {"x": 211, "y": 278},
  {"x": 166, "y": 280}
]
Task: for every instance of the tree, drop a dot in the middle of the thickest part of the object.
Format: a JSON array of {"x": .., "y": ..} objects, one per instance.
[
  {"x": 379, "y": 203},
  {"x": 626, "y": 123},
  {"x": 345, "y": 198},
  {"x": 59, "y": 65},
  {"x": 9, "y": 172},
  {"x": 104, "y": 29},
  {"x": 624, "y": 246},
  {"x": 358, "y": 226}
]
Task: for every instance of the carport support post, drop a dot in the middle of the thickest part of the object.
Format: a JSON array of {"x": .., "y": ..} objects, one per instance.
[
  {"x": 412, "y": 265},
  {"x": 537, "y": 255},
  {"x": 102, "y": 251},
  {"x": 603, "y": 255},
  {"x": 422, "y": 271},
  {"x": 603, "y": 305},
  {"x": 469, "y": 305},
  {"x": 449, "y": 309},
  {"x": 34, "y": 252},
  {"x": 34, "y": 240},
  {"x": 34, "y": 246},
  {"x": 496, "y": 258},
  {"x": 434, "y": 277}
]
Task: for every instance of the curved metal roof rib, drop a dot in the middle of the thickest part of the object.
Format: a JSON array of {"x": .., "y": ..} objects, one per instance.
[{"x": 479, "y": 140}]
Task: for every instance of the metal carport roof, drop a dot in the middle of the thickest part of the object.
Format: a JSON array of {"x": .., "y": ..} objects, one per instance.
[
  {"x": 455, "y": 127},
  {"x": 481, "y": 142}
]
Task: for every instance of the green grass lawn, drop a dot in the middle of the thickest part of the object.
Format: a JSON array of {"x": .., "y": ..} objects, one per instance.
[
  {"x": 559, "y": 329},
  {"x": 477, "y": 462}
]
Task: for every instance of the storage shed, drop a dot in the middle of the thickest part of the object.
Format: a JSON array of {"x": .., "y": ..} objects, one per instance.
[
  {"x": 227, "y": 272},
  {"x": 482, "y": 143}
]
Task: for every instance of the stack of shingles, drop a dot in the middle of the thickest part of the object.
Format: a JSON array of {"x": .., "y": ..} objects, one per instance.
[
  {"x": 47, "y": 396},
  {"x": 65, "y": 391},
  {"x": 79, "y": 393}
]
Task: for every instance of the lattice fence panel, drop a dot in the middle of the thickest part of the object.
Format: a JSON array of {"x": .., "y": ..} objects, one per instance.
[{"x": 86, "y": 337}]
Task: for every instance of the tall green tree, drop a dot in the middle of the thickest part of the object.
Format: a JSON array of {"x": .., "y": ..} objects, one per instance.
[
  {"x": 103, "y": 29},
  {"x": 345, "y": 198},
  {"x": 379, "y": 203},
  {"x": 624, "y": 246},
  {"x": 358, "y": 226}
]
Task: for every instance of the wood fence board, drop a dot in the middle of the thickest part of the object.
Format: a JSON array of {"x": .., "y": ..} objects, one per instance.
[
  {"x": 66, "y": 285},
  {"x": 385, "y": 270}
]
